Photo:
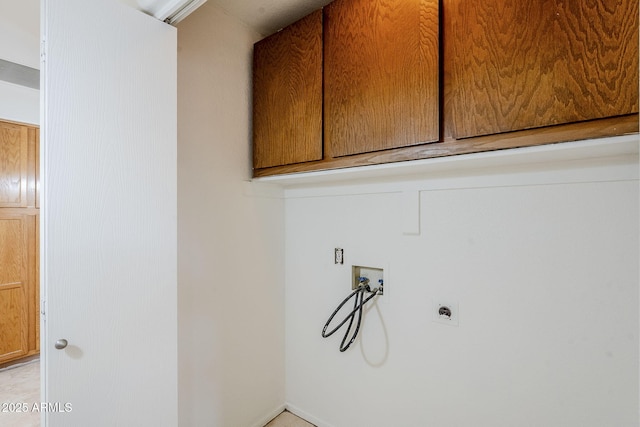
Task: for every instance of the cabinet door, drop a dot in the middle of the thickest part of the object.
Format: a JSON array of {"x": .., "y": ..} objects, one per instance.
[
  {"x": 14, "y": 153},
  {"x": 381, "y": 75},
  {"x": 526, "y": 64},
  {"x": 17, "y": 284},
  {"x": 287, "y": 95}
]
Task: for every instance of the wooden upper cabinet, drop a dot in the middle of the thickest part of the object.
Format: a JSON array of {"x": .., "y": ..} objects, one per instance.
[
  {"x": 380, "y": 75},
  {"x": 14, "y": 165},
  {"x": 287, "y": 95},
  {"x": 19, "y": 167},
  {"x": 19, "y": 266},
  {"x": 513, "y": 65}
]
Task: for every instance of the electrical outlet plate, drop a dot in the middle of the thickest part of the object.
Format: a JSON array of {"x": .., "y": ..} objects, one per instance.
[
  {"x": 453, "y": 320},
  {"x": 374, "y": 274}
]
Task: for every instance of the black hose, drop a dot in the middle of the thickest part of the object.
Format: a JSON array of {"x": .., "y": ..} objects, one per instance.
[{"x": 358, "y": 305}]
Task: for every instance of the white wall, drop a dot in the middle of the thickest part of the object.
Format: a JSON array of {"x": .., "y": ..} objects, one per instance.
[
  {"x": 20, "y": 32},
  {"x": 20, "y": 43},
  {"x": 19, "y": 103},
  {"x": 543, "y": 263},
  {"x": 230, "y": 244}
]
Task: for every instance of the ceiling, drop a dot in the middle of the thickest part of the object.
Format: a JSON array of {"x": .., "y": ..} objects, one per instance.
[
  {"x": 20, "y": 21},
  {"x": 268, "y": 16},
  {"x": 264, "y": 16}
]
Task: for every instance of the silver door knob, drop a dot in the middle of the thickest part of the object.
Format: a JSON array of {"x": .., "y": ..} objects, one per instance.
[{"x": 60, "y": 344}]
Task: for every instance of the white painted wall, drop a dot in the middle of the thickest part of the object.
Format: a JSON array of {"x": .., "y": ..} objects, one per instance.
[
  {"x": 543, "y": 262},
  {"x": 20, "y": 43},
  {"x": 230, "y": 237},
  {"x": 19, "y": 103},
  {"x": 20, "y": 32}
]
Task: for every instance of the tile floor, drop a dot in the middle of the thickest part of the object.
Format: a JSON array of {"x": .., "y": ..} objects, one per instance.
[
  {"x": 20, "y": 389},
  {"x": 21, "y": 385},
  {"x": 287, "y": 419}
]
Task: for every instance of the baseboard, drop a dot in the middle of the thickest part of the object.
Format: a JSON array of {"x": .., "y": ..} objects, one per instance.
[
  {"x": 306, "y": 416},
  {"x": 271, "y": 415},
  {"x": 20, "y": 362}
]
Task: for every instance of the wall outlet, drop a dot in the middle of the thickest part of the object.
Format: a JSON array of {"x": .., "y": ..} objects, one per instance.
[
  {"x": 338, "y": 256},
  {"x": 375, "y": 276},
  {"x": 446, "y": 312}
]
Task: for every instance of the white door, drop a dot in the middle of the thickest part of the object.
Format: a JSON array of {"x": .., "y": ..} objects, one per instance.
[{"x": 108, "y": 216}]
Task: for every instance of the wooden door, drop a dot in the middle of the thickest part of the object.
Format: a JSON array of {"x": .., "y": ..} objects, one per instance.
[
  {"x": 513, "y": 65},
  {"x": 18, "y": 290},
  {"x": 19, "y": 293},
  {"x": 380, "y": 75},
  {"x": 13, "y": 287},
  {"x": 287, "y": 95},
  {"x": 19, "y": 164},
  {"x": 13, "y": 165}
]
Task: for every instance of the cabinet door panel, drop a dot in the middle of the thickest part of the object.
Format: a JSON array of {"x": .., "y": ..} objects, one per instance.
[
  {"x": 13, "y": 286},
  {"x": 13, "y": 165},
  {"x": 13, "y": 322},
  {"x": 287, "y": 95},
  {"x": 381, "y": 75},
  {"x": 520, "y": 65},
  {"x": 598, "y": 51}
]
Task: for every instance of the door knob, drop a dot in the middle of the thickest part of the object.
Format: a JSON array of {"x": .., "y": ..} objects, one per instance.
[{"x": 60, "y": 344}]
